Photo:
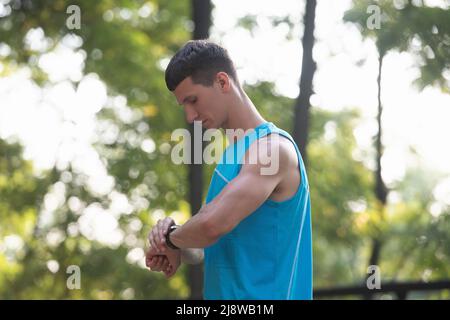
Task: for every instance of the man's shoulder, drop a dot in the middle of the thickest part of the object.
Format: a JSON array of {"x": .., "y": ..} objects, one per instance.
[
  {"x": 270, "y": 148},
  {"x": 277, "y": 143}
]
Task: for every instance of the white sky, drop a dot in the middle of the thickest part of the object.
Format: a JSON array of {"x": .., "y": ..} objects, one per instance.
[{"x": 57, "y": 123}]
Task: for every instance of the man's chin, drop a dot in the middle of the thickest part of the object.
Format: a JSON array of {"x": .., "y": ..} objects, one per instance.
[
  {"x": 208, "y": 124},
  {"x": 210, "y": 127}
]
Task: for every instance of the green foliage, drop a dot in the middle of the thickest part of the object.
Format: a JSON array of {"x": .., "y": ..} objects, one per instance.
[
  {"x": 414, "y": 243},
  {"x": 125, "y": 43},
  {"x": 422, "y": 30}
]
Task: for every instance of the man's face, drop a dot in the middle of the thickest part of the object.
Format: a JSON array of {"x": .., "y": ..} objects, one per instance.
[{"x": 202, "y": 103}]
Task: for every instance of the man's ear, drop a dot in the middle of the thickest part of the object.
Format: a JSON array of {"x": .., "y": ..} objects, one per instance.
[{"x": 224, "y": 81}]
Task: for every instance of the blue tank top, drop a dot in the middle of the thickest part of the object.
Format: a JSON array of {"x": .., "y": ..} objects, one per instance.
[{"x": 268, "y": 255}]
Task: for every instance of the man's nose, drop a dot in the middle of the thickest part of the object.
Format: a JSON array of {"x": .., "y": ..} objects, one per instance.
[{"x": 190, "y": 113}]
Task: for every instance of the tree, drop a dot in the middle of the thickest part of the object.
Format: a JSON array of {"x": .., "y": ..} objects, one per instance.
[
  {"x": 302, "y": 105},
  {"x": 124, "y": 43},
  {"x": 400, "y": 25},
  {"x": 201, "y": 15}
]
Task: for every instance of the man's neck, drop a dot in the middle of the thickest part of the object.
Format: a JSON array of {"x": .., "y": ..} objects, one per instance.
[{"x": 243, "y": 116}]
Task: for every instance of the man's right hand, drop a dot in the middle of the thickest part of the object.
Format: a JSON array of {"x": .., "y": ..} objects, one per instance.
[
  {"x": 167, "y": 263},
  {"x": 160, "y": 257}
]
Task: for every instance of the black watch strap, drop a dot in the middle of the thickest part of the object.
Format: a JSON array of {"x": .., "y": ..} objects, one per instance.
[{"x": 168, "y": 242}]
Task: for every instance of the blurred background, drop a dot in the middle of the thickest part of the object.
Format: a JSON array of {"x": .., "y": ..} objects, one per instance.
[{"x": 86, "y": 122}]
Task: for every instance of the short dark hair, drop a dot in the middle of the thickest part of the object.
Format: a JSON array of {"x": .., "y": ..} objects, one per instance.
[{"x": 200, "y": 59}]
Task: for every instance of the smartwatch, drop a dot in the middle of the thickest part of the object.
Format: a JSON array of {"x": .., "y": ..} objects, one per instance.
[{"x": 169, "y": 231}]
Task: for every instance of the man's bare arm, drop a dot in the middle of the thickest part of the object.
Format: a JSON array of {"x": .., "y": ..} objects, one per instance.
[{"x": 239, "y": 198}]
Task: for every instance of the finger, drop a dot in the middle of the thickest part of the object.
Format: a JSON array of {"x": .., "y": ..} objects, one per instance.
[
  {"x": 153, "y": 241},
  {"x": 157, "y": 239},
  {"x": 150, "y": 239},
  {"x": 165, "y": 265},
  {"x": 153, "y": 233},
  {"x": 168, "y": 271},
  {"x": 159, "y": 235},
  {"x": 164, "y": 228},
  {"x": 157, "y": 263},
  {"x": 167, "y": 223},
  {"x": 157, "y": 266},
  {"x": 168, "y": 268},
  {"x": 148, "y": 260},
  {"x": 156, "y": 234},
  {"x": 149, "y": 263},
  {"x": 153, "y": 251},
  {"x": 153, "y": 263},
  {"x": 161, "y": 263}
]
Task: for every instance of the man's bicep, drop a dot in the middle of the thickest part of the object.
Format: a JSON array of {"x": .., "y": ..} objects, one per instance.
[
  {"x": 251, "y": 182},
  {"x": 254, "y": 184},
  {"x": 243, "y": 195}
]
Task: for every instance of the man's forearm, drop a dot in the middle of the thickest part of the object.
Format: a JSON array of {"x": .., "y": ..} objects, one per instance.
[
  {"x": 192, "y": 255},
  {"x": 196, "y": 232}
]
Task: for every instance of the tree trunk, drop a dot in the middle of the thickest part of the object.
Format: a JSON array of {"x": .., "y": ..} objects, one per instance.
[
  {"x": 301, "y": 121},
  {"x": 201, "y": 16},
  {"x": 380, "y": 187}
]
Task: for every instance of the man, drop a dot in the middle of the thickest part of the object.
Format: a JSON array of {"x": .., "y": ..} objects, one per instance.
[{"x": 254, "y": 232}]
